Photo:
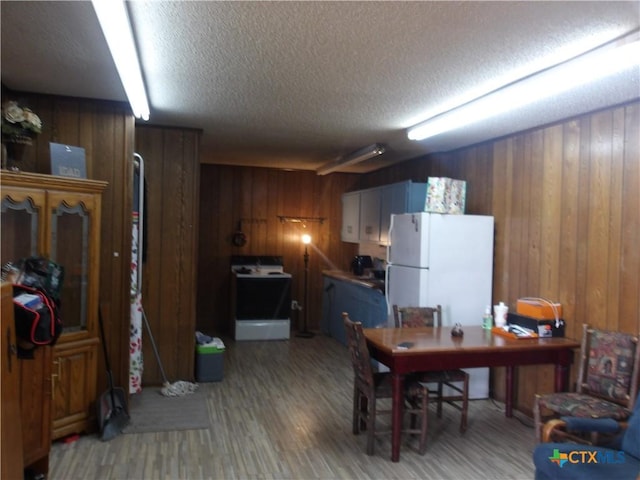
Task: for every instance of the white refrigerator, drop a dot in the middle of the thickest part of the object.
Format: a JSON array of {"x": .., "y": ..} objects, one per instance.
[{"x": 446, "y": 260}]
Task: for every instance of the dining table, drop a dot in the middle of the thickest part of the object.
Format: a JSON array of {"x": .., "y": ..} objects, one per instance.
[{"x": 409, "y": 350}]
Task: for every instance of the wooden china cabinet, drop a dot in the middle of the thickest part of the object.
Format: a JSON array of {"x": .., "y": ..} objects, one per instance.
[
  {"x": 59, "y": 218},
  {"x": 12, "y": 461}
]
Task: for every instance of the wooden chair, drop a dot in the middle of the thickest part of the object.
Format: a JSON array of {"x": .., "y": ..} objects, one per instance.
[
  {"x": 457, "y": 380},
  {"x": 370, "y": 386},
  {"x": 622, "y": 452},
  {"x": 607, "y": 383}
]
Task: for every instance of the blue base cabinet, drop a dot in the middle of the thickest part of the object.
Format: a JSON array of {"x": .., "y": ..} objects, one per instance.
[{"x": 362, "y": 303}]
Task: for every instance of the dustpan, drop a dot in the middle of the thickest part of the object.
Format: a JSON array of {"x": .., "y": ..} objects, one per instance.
[{"x": 113, "y": 413}]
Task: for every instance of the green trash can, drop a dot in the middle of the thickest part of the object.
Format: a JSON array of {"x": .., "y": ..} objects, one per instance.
[{"x": 209, "y": 363}]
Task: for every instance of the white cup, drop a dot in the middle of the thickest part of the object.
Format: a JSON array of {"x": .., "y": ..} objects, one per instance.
[{"x": 500, "y": 314}]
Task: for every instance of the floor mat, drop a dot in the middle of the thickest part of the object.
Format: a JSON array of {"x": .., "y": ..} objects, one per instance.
[{"x": 151, "y": 411}]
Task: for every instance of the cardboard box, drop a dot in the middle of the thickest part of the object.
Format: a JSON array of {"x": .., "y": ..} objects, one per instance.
[
  {"x": 445, "y": 195},
  {"x": 209, "y": 363},
  {"x": 436, "y": 194},
  {"x": 457, "y": 196},
  {"x": 538, "y": 308},
  {"x": 543, "y": 327}
]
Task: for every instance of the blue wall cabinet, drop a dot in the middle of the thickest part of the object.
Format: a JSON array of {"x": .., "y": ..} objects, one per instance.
[{"x": 403, "y": 197}]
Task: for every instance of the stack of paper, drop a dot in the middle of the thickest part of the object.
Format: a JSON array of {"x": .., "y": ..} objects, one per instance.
[{"x": 28, "y": 300}]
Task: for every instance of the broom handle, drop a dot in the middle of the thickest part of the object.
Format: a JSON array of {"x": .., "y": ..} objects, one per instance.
[
  {"x": 106, "y": 358},
  {"x": 153, "y": 344}
]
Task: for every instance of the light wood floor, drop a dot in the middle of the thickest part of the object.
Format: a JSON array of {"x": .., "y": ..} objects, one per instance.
[{"x": 283, "y": 411}]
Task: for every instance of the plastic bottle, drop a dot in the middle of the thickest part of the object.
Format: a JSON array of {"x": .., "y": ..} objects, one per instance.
[
  {"x": 487, "y": 318},
  {"x": 500, "y": 311}
]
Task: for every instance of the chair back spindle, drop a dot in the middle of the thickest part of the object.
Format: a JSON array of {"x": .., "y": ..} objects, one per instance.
[
  {"x": 417, "y": 316},
  {"x": 357, "y": 344}
]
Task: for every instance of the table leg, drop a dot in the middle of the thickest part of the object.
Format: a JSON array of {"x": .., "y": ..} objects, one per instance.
[
  {"x": 396, "y": 416},
  {"x": 508, "y": 407},
  {"x": 561, "y": 377}
]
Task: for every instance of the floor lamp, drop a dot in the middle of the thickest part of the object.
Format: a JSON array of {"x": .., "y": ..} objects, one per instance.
[{"x": 304, "y": 333}]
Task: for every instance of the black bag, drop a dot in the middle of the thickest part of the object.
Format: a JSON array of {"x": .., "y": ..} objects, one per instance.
[
  {"x": 41, "y": 273},
  {"x": 37, "y": 321}
]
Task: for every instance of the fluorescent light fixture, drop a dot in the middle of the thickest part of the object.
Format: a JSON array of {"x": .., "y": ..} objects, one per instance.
[
  {"x": 114, "y": 20},
  {"x": 356, "y": 157},
  {"x": 599, "y": 63}
]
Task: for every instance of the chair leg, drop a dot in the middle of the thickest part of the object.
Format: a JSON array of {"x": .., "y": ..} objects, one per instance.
[
  {"x": 371, "y": 427},
  {"x": 364, "y": 411},
  {"x": 413, "y": 418},
  {"x": 356, "y": 410},
  {"x": 422, "y": 446},
  {"x": 537, "y": 418},
  {"x": 439, "y": 399},
  {"x": 465, "y": 404}
]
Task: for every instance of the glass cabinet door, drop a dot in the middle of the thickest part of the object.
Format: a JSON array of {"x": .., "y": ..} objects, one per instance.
[
  {"x": 22, "y": 224},
  {"x": 69, "y": 237}
]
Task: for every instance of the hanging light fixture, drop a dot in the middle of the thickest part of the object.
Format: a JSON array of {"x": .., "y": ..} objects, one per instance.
[{"x": 356, "y": 157}]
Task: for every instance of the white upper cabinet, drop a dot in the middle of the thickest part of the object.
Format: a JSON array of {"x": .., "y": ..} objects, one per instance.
[
  {"x": 350, "y": 217},
  {"x": 366, "y": 213}
]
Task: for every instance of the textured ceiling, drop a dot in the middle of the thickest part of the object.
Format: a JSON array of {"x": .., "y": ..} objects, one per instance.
[{"x": 299, "y": 84}]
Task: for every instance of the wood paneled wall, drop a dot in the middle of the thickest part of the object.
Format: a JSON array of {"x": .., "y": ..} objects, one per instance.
[
  {"x": 565, "y": 197},
  {"x": 171, "y": 160},
  {"x": 566, "y": 200},
  {"x": 106, "y": 131},
  {"x": 253, "y": 198}
]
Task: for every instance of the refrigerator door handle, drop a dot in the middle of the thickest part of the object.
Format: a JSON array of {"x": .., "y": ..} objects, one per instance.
[
  {"x": 416, "y": 223},
  {"x": 388, "y": 266},
  {"x": 389, "y": 240},
  {"x": 386, "y": 287}
]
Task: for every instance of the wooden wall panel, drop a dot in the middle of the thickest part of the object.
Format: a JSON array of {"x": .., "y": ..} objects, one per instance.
[
  {"x": 569, "y": 246},
  {"x": 566, "y": 203},
  {"x": 170, "y": 270},
  {"x": 115, "y": 167},
  {"x": 150, "y": 146},
  {"x": 612, "y": 298},
  {"x": 257, "y": 196},
  {"x": 598, "y": 247},
  {"x": 567, "y": 210},
  {"x": 629, "y": 295},
  {"x": 169, "y": 321},
  {"x": 565, "y": 197}
]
